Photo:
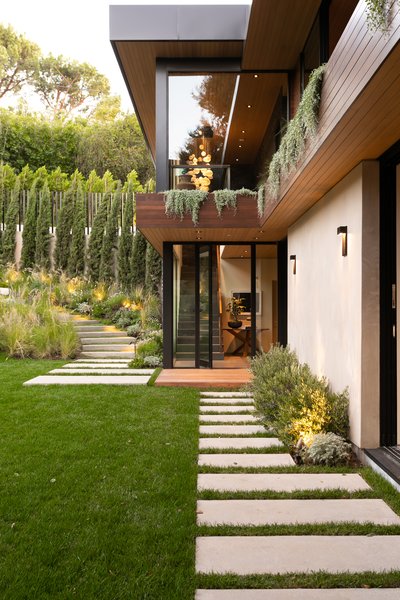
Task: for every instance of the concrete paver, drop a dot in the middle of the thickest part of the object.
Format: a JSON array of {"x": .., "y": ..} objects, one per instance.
[
  {"x": 238, "y": 443},
  {"x": 225, "y": 400},
  {"x": 95, "y": 371},
  {"x": 226, "y": 409},
  {"x": 88, "y": 380},
  {"x": 300, "y": 594},
  {"x": 245, "y": 460},
  {"x": 228, "y": 419},
  {"x": 280, "y": 482},
  {"x": 231, "y": 429},
  {"x": 287, "y": 512},
  {"x": 297, "y": 554}
]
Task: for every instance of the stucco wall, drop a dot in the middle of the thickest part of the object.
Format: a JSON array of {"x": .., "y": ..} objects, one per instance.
[{"x": 333, "y": 301}]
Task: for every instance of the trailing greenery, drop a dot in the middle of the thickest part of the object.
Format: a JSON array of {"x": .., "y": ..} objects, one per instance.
[
  {"x": 76, "y": 260},
  {"x": 293, "y": 401},
  {"x": 42, "y": 253},
  {"x": 301, "y": 128},
  {"x": 30, "y": 227},
  {"x": 182, "y": 202},
  {"x": 11, "y": 219},
  {"x": 138, "y": 261},
  {"x": 96, "y": 239},
  {"x": 378, "y": 15},
  {"x": 110, "y": 239},
  {"x": 126, "y": 240},
  {"x": 261, "y": 200},
  {"x": 153, "y": 270}
]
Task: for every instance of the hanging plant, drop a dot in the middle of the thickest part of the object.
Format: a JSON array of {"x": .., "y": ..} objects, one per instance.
[
  {"x": 182, "y": 202},
  {"x": 302, "y": 127},
  {"x": 261, "y": 200},
  {"x": 378, "y": 15},
  {"x": 228, "y": 198}
]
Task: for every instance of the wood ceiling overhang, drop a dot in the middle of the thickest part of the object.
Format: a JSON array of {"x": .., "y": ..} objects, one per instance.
[{"x": 269, "y": 35}]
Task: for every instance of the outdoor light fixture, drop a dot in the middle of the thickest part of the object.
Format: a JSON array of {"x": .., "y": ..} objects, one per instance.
[
  {"x": 293, "y": 258},
  {"x": 342, "y": 230}
]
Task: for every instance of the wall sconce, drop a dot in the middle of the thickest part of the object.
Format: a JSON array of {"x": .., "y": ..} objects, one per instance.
[
  {"x": 342, "y": 230},
  {"x": 293, "y": 258}
]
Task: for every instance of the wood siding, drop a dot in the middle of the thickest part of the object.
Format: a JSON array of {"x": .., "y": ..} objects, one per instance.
[{"x": 359, "y": 117}]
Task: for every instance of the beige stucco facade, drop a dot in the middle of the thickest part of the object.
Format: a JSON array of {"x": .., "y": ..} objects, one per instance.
[{"x": 333, "y": 300}]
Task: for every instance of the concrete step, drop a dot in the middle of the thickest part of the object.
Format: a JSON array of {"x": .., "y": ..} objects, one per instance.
[
  {"x": 245, "y": 460},
  {"x": 109, "y": 354},
  {"x": 121, "y": 339},
  {"x": 229, "y": 419},
  {"x": 102, "y": 334},
  {"x": 105, "y": 347},
  {"x": 300, "y": 594},
  {"x": 224, "y": 401},
  {"x": 280, "y": 482},
  {"x": 297, "y": 554},
  {"x": 230, "y": 430},
  {"x": 226, "y": 409},
  {"x": 100, "y": 365},
  {"x": 80, "y": 322},
  {"x": 226, "y": 395},
  {"x": 292, "y": 512},
  {"x": 94, "y": 371},
  {"x": 115, "y": 361},
  {"x": 238, "y": 443},
  {"x": 89, "y": 380}
]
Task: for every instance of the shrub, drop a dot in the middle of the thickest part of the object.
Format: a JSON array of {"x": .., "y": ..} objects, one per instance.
[
  {"x": 327, "y": 449},
  {"x": 152, "y": 361},
  {"x": 293, "y": 401},
  {"x": 134, "y": 330}
]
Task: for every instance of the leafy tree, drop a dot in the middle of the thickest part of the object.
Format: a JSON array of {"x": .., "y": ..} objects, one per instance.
[
  {"x": 96, "y": 238},
  {"x": 106, "y": 110},
  {"x": 76, "y": 261},
  {"x": 110, "y": 239},
  {"x": 26, "y": 178},
  {"x": 58, "y": 181},
  {"x": 125, "y": 242},
  {"x": 66, "y": 85},
  {"x": 42, "y": 255},
  {"x": 41, "y": 175},
  {"x": 30, "y": 228},
  {"x": 138, "y": 260},
  {"x": 132, "y": 182},
  {"x": 153, "y": 270},
  {"x": 94, "y": 183},
  {"x": 108, "y": 182},
  {"x": 11, "y": 220},
  {"x": 18, "y": 60}
]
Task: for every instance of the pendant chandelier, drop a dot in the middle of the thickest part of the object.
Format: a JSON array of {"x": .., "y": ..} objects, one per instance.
[{"x": 201, "y": 175}]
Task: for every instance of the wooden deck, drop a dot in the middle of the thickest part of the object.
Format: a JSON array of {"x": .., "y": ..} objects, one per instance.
[{"x": 204, "y": 378}]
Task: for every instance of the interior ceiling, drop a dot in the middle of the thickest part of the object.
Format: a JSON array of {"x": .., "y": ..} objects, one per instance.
[
  {"x": 241, "y": 251},
  {"x": 276, "y": 35}
]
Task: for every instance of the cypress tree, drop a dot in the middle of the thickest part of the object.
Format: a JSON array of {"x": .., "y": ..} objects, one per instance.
[
  {"x": 30, "y": 226},
  {"x": 96, "y": 238},
  {"x": 7, "y": 182},
  {"x": 153, "y": 270},
  {"x": 138, "y": 260},
  {"x": 125, "y": 242},
  {"x": 76, "y": 261},
  {"x": 110, "y": 239},
  {"x": 11, "y": 220},
  {"x": 64, "y": 225},
  {"x": 42, "y": 254}
]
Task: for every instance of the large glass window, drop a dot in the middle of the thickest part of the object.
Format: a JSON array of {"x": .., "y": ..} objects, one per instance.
[{"x": 199, "y": 112}]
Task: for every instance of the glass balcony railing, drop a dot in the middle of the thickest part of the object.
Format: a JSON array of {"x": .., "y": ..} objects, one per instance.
[{"x": 208, "y": 178}]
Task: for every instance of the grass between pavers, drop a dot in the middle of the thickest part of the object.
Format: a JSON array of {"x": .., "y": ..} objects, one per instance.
[
  {"x": 334, "y": 494},
  {"x": 261, "y": 434},
  {"x": 318, "y": 580},
  {"x": 303, "y": 529},
  {"x": 248, "y": 450},
  {"x": 98, "y": 489}
]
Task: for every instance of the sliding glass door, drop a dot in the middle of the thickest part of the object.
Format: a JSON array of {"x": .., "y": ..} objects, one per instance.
[{"x": 204, "y": 305}]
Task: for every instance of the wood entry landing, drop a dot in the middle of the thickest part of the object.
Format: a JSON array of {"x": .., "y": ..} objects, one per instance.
[{"x": 204, "y": 378}]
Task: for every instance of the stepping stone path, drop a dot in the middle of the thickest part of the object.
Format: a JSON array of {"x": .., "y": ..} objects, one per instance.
[
  {"x": 106, "y": 354},
  {"x": 227, "y": 446}
]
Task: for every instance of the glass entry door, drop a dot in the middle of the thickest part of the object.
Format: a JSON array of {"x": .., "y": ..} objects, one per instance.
[{"x": 204, "y": 312}]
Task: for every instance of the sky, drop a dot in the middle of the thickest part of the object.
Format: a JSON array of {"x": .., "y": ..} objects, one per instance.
[{"x": 78, "y": 29}]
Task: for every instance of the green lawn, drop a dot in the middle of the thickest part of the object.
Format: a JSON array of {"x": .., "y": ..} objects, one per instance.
[{"x": 97, "y": 489}]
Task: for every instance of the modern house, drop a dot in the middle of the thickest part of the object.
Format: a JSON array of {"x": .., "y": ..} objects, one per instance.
[{"x": 213, "y": 88}]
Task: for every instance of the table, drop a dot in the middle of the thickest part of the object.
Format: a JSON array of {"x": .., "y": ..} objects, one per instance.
[{"x": 243, "y": 335}]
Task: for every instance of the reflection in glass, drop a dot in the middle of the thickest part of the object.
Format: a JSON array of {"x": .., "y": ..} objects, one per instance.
[
  {"x": 199, "y": 110},
  {"x": 184, "y": 305}
]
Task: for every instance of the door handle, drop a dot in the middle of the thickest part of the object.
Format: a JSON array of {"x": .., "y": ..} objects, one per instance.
[{"x": 393, "y": 295}]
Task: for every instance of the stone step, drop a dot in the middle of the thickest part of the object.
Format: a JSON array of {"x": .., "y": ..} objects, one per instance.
[
  {"x": 105, "y": 347},
  {"x": 224, "y": 401},
  {"x": 245, "y": 460},
  {"x": 111, "y": 361},
  {"x": 280, "y": 482},
  {"x": 230, "y": 430},
  {"x": 249, "y": 555},
  {"x": 81, "y": 322},
  {"x": 226, "y": 395},
  {"x": 92, "y": 329},
  {"x": 100, "y": 365},
  {"x": 238, "y": 443},
  {"x": 89, "y": 380},
  {"x": 109, "y": 354},
  {"x": 292, "y": 512},
  {"x": 102, "y": 334},
  {"x": 228, "y": 419},
  {"x": 96, "y": 371},
  {"x": 300, "y": 594},
  {"x": 106, "y": 340}
]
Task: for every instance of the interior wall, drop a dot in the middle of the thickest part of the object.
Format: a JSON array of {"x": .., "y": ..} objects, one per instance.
[
  {"x": 397, "y": 294},
  {"x": 333, "y": 300}
]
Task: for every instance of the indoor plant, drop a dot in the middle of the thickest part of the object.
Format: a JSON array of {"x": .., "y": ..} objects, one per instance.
[{"x": 235, "y": 306}]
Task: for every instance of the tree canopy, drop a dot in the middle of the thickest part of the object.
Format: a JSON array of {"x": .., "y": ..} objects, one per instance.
[{"x": 18, "y": 60}]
